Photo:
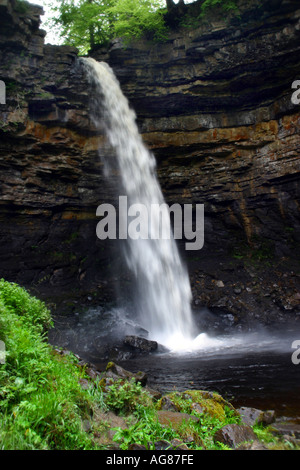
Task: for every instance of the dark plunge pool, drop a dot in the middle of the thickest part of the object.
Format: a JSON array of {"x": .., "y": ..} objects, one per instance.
[
  {"x": 262, "y": 379},
  {"x": 249, "y": 369}
]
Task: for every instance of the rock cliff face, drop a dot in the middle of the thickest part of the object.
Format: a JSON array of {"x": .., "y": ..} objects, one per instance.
[
  {"x": 214, "y": 105},
  {"x": 50, "y": 175}
]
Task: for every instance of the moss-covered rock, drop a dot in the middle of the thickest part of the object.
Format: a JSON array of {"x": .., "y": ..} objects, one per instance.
[{"x": 197, "y": 402}]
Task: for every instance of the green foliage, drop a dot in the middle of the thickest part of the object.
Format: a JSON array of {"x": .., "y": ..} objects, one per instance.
[
  {"x": 124, "y": 397},
  {"x": 43, "y": 405},
  {"x": 200, "y": 10},
  {"x": 34, "y": 312},
  {"x": 128, "y": 398},
  {"x": 85, "y": 23},
  {"x": 21, "y": 6},
  {"x": 41, "y": 400},
  {"x": 133, "y": 19},
  {"x": 257, "y": 251},
  {"x": 226, "y": 5},
  {"x": 274, "y": 442},
  {"x": 145, "y": 431}
]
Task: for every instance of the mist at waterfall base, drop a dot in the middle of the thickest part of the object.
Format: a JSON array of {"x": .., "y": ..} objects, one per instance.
[
  {"x": 202, "y": 350},
  {"x": 252, "y": 368},
  {"x": 162, "y": 288}
]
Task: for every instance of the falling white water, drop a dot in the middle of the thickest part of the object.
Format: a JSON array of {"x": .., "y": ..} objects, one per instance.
[{"x": 162, "y": 284}]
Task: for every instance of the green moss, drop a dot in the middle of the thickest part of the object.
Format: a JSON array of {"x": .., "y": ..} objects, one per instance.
[
  {"x": 199, "y": 402},
  {"x": 21, "y": 6},
  {"x": 256, "y": 251},
  {"x": 110, "y": 365},
  {"x": 126, "y": 396},
  {"x": 227, "y": 5},
  {"x": 200, "y": 11}
]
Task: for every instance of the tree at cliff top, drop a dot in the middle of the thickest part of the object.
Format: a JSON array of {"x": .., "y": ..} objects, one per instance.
[
  {"x": 86, "y": 23},
  {"x": 83, "y": 23},
  {"x": 133, "y": 19},
  {"x": 224, "y": 4}
]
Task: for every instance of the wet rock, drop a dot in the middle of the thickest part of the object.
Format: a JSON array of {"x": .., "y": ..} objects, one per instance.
[
  {"x": 237, "y": 290},
  {"x": 141, "y": 344},
  {"x": 112, "y": 421},
  {"x": 92, "y": 373},
  {"x": 174, "y": 418},
  {"x": 178, "y": 445},
  {"x": 86, "y": 425},
  {"x": 253, "y": 416},
  {"x": 137, "y": 447},
  {"x": 256, "y": 445},
  {"x": 85, "y": 384},
  {"x": 162, "y": 349},
  {"x": 160, "y": 445},
  {"x": 287, "y": 429},
  {"x": 167, "y": 404},
  {"x": 220, "y": 284},
  {"x": 116, "y": 372},
  {"x": 199, "y": 401},
  {"x": 155, "y": 394},
  {"x": 232, "y": 435},
  {"x": 175, "y": 444}
]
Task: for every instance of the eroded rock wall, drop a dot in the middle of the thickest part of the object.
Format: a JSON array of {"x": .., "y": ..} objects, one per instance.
[
  {"x": 50, "y": 169},
  {"x": 214, "y": 105}
]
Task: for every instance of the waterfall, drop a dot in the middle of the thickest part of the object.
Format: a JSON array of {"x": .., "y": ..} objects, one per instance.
[{"x": 163, "y": 291}]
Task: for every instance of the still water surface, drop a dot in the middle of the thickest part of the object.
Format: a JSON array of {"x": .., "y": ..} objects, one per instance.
[{"x": 250, "y": 369}]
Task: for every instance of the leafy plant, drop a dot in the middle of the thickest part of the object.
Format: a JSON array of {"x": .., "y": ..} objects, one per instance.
[
  {"x": 41, "y": 401},
  {"x": 21, "y": 6},
  {"x": 34, "y": 312},
  {"x": 43, "y": 406},
  {"x": 202, "y": 9},
  {"x": 139, "y": 433},
  {"x": 125, "y": 396},
  {"x": 257, "y": 250},
  {"x": 146, "y": 430},
  {"x": 226, "y": 5},
  {"x": 133, "y": 19},
  {"x": 86, "y": 23}
]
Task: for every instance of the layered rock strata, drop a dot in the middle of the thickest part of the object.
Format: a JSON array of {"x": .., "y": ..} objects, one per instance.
[
  {"x": 214, "y": 105},
  {"x": 50, "y": 176}
]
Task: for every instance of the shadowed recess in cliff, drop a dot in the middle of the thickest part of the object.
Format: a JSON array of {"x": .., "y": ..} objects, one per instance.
[{"x": 163, "y": 293}]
